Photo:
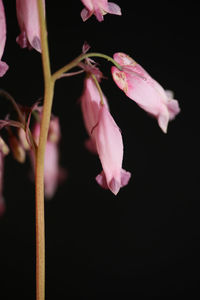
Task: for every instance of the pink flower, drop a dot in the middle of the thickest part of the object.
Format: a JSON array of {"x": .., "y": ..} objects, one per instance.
[
  {"x": 3, "y": 65},
  {"x": 99, "y": 8},
  {"x": 4, "y": 150},
  {"x": 144, "y": 90},
  {"x": 28, "y": 19},
  {"x": 105, "y": 138},
  {"x": 110, "y": 149},
  {"x": 53, "y": 173}
]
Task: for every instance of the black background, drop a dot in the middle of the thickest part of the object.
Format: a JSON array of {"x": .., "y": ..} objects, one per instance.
[{"x": 144, "y": 242}]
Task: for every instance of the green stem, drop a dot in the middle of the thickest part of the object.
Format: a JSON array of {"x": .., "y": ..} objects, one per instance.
[
  {"x": 77, "y": 60},
  {"x": 39, "y": 166}
]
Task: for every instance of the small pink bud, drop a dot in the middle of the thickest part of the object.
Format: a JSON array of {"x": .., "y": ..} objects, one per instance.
[
  {"x": 3, "y": 65},
  {"x": 17, "y": 149},
  {"x": 3, "y": 147},
  {"x": 139, "y": 86},
  {"x": 23, "y": 139},
  {"x": 99, "y": 8},
  {"x": 28, "y": 19}
]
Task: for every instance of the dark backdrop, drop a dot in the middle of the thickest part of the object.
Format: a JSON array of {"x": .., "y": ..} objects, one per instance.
[{"x": 145, "y": 240}]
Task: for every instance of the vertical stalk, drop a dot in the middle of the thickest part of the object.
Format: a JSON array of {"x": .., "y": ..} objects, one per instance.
[{"x": 39, "y": 166}]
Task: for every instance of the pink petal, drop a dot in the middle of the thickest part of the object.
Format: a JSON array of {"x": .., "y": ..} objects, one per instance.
[
  {"x": 28, "y": 19},
  {"x": 3, "y": 65},
  {"x": 114, "y": 9},
  {"x": 114, "y": 185},
  {"x": 3, "y": 68},
  {"x": 99, "y": 8},
  {"x": 85, "y": 14},
  {"x": 173, "y": 108},
  {"x": 101, "y": 180},
  {"x": 99, "y": 14},
  {"x": 125, "y": 177}
]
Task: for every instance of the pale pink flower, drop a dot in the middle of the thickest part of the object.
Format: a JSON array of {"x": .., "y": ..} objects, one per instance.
[
  {"x": 144, "y": 90},
  {"x": 4, "y": 150},
  {"x": 105, "y": 138},
  {"x": 110, "y": 149},
  {"x": 99, "y": 8},
  {"x": 28, "y": 19},
  {"x": 53, "y": 173},
  {"x": 3, "y": 65}
]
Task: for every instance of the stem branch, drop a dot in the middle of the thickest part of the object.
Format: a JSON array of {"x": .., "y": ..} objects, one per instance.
[{"x": 77, "y": 60}]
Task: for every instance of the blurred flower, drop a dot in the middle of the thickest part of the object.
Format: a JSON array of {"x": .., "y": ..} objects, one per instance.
[
  {"x": 3, "y": 65},
  {"x": 23, "y": 139},
  {"x": 138, "y": 85},
  {"x": 28, "y": 19},
  {"x": 99, "y": 8},
  {"x": 53, "y": 173},
  {"x": 4, "y": 150},
  {"x": 105, "y": 138},
  {"x": 17, "y": 148}
]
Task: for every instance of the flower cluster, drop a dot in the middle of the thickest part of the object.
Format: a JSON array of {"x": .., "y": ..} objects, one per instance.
[{"x": 105, "y": 137}]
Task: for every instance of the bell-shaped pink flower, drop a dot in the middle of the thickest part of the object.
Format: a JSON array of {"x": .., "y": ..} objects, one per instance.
[
  {"x": 4, "y": 150},
  {"x": 53, "y": 173},
  {"x": 99, "y": 8},
  {"x": 144, "y": 90},
  {"x": 28, "y": 19},
  {"x": 110, "y": 149},
  {"x": 3, "y": 65},
  {"x": 105, "y": 138}
]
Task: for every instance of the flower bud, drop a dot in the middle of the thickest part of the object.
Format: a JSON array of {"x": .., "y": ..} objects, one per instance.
[{"x": 17, "y": 150}]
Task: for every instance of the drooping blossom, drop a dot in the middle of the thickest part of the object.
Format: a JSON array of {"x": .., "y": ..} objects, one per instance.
[
  {"x": 53, "y": 173},
  {"x": 3, "y": 65},
  {"x": 4, "y": 150},
  {"x": 138, "y": 85},
  {"x": 28, "y": 19},
  {"x": 105, "y": 138},
  {"x": 99, "y": 8},
  {"x": 110, "y": 149}
]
